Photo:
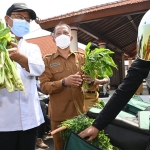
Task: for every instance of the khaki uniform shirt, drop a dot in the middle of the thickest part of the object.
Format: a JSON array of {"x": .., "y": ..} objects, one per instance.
[{"x": 65, "y": 102}]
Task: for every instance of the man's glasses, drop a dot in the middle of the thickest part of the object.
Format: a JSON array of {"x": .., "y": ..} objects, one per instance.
[{"x": 18, "y": 16}]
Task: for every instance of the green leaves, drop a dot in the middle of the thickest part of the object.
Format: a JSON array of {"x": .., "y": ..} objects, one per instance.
[
  {"x": 81, "y": 122},
  {"x": 4, "y": 32},
  {"x": 98, "y": 62},
  {"x": 1, "y": 24},
  {"x": 100, "y": 104}
]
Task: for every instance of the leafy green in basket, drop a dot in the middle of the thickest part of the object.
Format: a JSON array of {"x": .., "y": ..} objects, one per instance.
[{"x": 81, "y": 122}]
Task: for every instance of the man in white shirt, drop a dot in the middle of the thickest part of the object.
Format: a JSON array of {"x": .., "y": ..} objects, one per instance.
[{"x": 20, "y": 113}]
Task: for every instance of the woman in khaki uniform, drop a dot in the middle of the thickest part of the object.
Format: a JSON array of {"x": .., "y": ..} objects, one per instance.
[
  {"x": 91, "y": 96},
  {"x": 62, "y": 79}
]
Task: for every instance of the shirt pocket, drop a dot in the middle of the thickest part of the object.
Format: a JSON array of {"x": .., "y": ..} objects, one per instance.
[{"x": 57, "y": 72}]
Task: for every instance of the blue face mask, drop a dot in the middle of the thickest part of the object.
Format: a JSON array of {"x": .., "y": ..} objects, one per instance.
[{"x": 20, "y": 27}]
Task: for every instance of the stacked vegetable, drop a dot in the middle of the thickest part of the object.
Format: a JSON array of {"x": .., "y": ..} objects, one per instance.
[
  {"x": 98, "y": 63},
  {"x": 9, "y": 77},
  {"x": 78, "y": 124},
  {"x": 100, "y": 104}
]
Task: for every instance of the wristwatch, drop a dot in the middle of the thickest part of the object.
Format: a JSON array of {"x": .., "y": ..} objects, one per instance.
[{"x": 63, "y": 83}]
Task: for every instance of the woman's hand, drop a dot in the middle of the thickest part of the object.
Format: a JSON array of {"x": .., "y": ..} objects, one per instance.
[{"x": 87, "y": 79}]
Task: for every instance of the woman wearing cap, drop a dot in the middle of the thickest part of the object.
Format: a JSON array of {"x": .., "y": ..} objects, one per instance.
[{"x": 20, "y": 113}]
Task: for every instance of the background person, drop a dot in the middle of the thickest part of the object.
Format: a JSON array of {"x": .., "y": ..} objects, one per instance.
[
  {"x": 104, "y": 88},
  {"x": 91, "y": 95},
  {"x": 44, "y": 127}
]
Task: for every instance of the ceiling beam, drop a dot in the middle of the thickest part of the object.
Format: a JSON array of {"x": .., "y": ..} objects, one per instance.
[
  {"x": 120, "y": 26},
  {"x": 132, "y": 22},
  {"x": 128, "y": 44},
  {"x": 97, "y": 36},
  {"x": 88, "y": 33},
  {"x": 134, "y": 51},
  {"x": 81, "y": 41},
  {"x": 130, "y": 14},
  {"x": 133, "y": 54}
]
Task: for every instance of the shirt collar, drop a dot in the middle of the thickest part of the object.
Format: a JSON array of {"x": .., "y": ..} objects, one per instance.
[
  {"x": 59, "y": 54},
  {"x": 21, "y": 43}
]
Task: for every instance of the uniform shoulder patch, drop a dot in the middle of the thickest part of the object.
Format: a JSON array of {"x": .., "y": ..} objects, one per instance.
[
  {"x": 77, "y": 52},
  {"x": 48, "y": 55}
]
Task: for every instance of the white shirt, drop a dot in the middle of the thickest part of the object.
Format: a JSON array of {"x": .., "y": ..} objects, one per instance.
[{"x": 19, "y": 111}]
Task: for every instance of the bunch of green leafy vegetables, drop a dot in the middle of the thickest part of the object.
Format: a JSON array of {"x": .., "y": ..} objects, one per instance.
[
  {"x": 9, "y": 77},
  {"x": 81, "y": 122},
  {"x": 100, "y": 104},
  {"x": 98, "y": 62}
]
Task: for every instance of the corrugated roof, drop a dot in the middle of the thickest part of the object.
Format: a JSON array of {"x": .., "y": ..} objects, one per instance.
[
  {"x": 92, "y": 9},
  {"x": 46, "y": 44},
  {"x": 116, "y": 22}
]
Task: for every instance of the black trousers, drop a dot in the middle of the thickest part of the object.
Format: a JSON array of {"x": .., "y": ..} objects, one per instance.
[
  {"x": 18, "y": 140},
  {"x": 137, "y": 72},
  {"x": 41, "y": 128}
]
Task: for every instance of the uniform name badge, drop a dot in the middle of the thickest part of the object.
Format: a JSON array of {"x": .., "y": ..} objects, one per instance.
[{"x": 54, "y": 64}]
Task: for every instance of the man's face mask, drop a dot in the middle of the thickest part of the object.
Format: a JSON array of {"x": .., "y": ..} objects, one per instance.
[
  {"x": 62, "y": 41},
  {"x": 20, "y": 27}
]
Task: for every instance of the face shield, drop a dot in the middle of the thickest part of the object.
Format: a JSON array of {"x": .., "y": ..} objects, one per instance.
[{"x": 143, "y": 39}]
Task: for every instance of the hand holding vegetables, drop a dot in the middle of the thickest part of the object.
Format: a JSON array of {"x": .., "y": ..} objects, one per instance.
[
  {"x": 90, "y": 132},
  {"x": 80, "y": 123},
  {"x": 87, "y": 78},
  {"x": 18, "y": 57},
  {"x": 98, "y": 63},
  {"x": 75, "y": 79},
  {"x": 14, "y": 52}
]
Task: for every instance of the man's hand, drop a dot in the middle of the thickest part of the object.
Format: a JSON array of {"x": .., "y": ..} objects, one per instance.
[
  {"x": 18, "y": 57},
  {"x": 87, "y": 79},
  {"x": 75, "y": 79},
  {"x": 14, "y": 53},
  {"x": 90, "y": 132}
]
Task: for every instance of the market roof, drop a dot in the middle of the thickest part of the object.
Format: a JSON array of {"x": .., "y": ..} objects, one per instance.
[{"x": 116, "y": 22}]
